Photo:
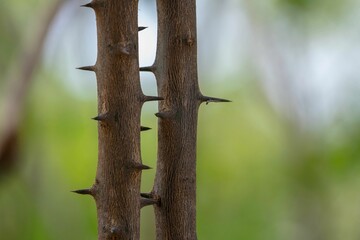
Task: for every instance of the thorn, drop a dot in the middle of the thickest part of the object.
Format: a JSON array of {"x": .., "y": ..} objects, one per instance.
[
  {"x": 167, "y": 114},
  {"x": 89, "y": 5},
  {"x": 101, "y": 117},
  {"x": 93, "y": 4},
  {"x": 152, "y": 98},
  {"x": 212, "y": 99},
  {"x": 140, "y": 166},
  {"x": 146, "y": 195},
  {"x": 83, "y": 192},
  {"x": 160, "y": 115},
  {"x": 144, "y": 128},
  {"x": 140, "y": 28},
  {"x": 147, "y": 69},
  {"x": 87, "y": 68},
  {"x": 147, "y": 201}
]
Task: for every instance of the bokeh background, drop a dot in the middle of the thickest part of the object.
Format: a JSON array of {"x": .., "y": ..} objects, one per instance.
[{"x": 281, "y": 162}]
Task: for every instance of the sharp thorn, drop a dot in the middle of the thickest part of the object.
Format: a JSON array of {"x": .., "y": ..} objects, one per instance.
[
  {"x": 163, "y": 115},
  {"x": 140, "y": 166},
  {"x": 146, "y": 195},
  {"x": 160, "y": 115},
  {"x": 88, "y": 5},
  {"x": 152, "y": 98},
  {"x": 142, "y": 128},
  {"x": 100, "y": 117},
  {"x": 147, "y": 202},
  {"x": 87, "y": 68},
  {"x": 83, "y": 191},
  {"x": 212, "y": 99},
  {"x": 140, "y": 28},
  {"x": 94, "y": 4},
  {"x": 147, "y": 69}
]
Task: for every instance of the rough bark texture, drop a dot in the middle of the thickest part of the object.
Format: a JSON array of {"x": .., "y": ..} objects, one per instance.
[
  {"x": 175, "y": 69},
  {"x": 117, "y": 186}
]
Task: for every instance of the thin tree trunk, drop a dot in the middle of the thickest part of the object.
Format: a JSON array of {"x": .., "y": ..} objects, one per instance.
[
  {"x": 175, "y": 69},
  {"x": 176, "y": 75},
  {"x": 117, "y": 185}
]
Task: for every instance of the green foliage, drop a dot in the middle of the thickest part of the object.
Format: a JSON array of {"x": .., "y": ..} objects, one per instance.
[{"x": 313, "y": 6}]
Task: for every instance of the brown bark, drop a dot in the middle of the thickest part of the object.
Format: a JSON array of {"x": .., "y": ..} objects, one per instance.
[
  {"x": 175, "y": 69},
  {"x": 117, "y": 185}
]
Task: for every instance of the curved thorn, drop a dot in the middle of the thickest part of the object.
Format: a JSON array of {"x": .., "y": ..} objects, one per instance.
[
  {"x": 142, "y": 128},
  {"x": 87, "y": 68},
  {"x": 140, "y": 28},
  {"x": 83, "y": 191}
]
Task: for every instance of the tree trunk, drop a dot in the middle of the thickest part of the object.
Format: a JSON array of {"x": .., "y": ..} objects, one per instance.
[
  {"x": 117, "y": 185},
  {"x": 175, "y": 69},
  {"x": 176, "y": 74}
]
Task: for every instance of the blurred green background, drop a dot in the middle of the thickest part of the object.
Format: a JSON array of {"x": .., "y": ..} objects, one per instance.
[{"x": 282, "y": 161}]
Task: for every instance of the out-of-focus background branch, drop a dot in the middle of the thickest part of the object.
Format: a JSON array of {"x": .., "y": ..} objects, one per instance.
[
  {"x": 21, "y": 73},
  {"x": 280, "y": 162}
]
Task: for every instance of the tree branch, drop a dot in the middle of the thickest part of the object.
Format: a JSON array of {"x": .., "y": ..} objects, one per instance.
[{"x": 20, "y": 81}]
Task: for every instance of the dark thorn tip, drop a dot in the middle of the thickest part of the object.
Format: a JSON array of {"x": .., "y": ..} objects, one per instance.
[
  {"x": 88, "y": 5},
  {"x": 83, "y": 191},
  {"x": 146, "y": 195},
  {"x": 101, "y": 117},
  {"x": 212, "y": 99},
  {"x": 159, "y": 115},
  {"x": 147, "y": 202},
  {"x": 140, "y": 28},
  {"x": 152, "y": 98},
  {"x": 141, "y": 167},
  {"x": 142, "y": 128},
  {"x": 167, "y": 114},
  {"x": 87, "y": 68},
  {"x": 147, "y": 69}
]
